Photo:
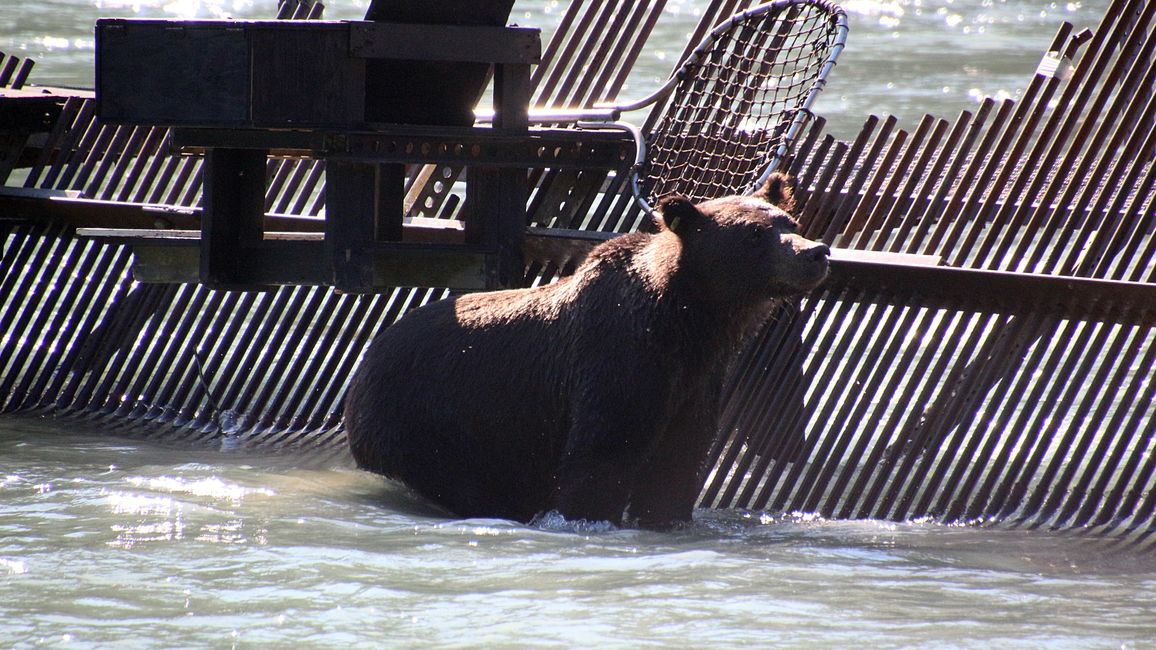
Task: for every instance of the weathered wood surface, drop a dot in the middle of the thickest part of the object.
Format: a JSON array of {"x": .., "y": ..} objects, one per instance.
[
  {"x": 284, "y": 74},
  {"x": 309, "y": 73}
]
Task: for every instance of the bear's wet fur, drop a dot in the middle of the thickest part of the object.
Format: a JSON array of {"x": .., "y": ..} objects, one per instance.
[{"x": 597, "y": 396}]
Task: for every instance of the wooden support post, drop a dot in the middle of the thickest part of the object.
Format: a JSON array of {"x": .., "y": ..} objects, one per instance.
[
  {"x": 497, "y": 219},
  {"x": 390, "y": 202},
  {"x": 512, "y": 96},
  {"x": 363, "y": 205},
  {"x": 498, "y": 197},
  {"x": 234, "y": 213},
  {"x": 11, "y": 145}
]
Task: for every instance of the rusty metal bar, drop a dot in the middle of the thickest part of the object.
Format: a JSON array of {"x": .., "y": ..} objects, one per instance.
[
  {"x": 946, "y": 231},
  {"x": 1019, "y": 134},
  {"x": 961, "y": 146},
  {"x": 917, "y": 182},
  {"x": 844, "y": 207},
  {"x": 1125, "y": 144},
  {"x": 1062, "y": 129}
]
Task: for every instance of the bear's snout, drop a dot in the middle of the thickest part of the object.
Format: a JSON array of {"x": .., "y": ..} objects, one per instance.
[
  {"x": 810, "y": 264},
  {"x": 818, "y": 252},
  {"x": 811, "y": 251}
]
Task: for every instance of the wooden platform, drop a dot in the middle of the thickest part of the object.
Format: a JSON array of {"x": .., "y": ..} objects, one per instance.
[{"x": 237, "y": 100}]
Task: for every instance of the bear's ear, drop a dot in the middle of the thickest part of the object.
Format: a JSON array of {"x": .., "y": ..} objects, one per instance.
[
  {"x": 779, "y": 191},
  {"x": 679, "y": 214}
]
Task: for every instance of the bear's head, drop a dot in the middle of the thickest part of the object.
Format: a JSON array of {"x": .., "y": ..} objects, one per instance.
[{"x": 744, "y": 248}]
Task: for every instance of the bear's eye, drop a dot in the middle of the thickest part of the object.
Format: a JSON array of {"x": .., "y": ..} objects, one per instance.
[{"x": 788, "y": 226}]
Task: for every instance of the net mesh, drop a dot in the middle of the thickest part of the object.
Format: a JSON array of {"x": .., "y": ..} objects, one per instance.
[{"x": 736, "y": 99}]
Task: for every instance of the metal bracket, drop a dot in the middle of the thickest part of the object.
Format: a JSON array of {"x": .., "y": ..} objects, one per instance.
[{"x": 1056, "y": 65}]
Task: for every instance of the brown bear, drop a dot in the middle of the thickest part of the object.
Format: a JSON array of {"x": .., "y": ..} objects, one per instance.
[{"x": 596, "y": 396}]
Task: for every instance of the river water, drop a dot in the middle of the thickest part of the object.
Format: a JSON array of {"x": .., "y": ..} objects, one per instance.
[
  {"x": 107, "y": 542},
  {"x": 118, "y": 543}
]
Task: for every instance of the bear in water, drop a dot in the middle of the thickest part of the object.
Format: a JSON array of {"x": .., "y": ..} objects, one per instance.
[{"x": 597, "y": 396}]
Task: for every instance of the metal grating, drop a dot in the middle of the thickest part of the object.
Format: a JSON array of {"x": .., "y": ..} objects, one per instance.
[{"x": 889, "y": 401}]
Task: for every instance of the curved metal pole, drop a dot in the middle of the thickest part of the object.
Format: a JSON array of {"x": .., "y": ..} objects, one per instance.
[{"x": 804, "y": 113}]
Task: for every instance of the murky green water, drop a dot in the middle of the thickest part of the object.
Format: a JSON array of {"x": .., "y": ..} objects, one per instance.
[
  {"x": 117, "y": 543},
  {"x": 112, "y": 543}
]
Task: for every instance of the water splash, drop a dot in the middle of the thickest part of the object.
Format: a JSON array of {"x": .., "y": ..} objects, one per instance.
[{"x": 553, "y": 521}]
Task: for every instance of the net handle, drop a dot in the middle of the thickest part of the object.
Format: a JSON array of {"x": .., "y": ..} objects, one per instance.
[{"x": 804, "y": 112}]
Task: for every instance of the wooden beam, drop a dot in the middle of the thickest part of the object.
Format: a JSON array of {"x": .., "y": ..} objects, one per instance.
[
  {"x": 234, "y": 201},
  {"x": 880, "y": 278},
  {"x": 300, "y": 259},
  {"x": 457, "y": 43},
  {"x": 536, "y": 147},
  {"x": 942, "y": 287}
]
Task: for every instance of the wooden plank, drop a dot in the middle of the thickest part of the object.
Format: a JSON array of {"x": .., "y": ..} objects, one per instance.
[
  {"x": 234, "y": 210},
  {"x": 543, "y": 241},
  {"x": 452, "y": 43},
  {"x": 136, "y": 220},
  {"x": 455, "y": 267},
  {"x": 301, "y": 261},
  {"x": 304, "y": 77},
  {"x": 1001, "y": 292},
  {"x": 881, "y": 280},
  {"x": 68, "y": 206},
  {"x": 45, "y": 93},
  {"x": 170, "y": 72},
  {"x": 442, "y": 12},
  {"x": 164, "y": 236},
  {"x": 840, "y": 255}
]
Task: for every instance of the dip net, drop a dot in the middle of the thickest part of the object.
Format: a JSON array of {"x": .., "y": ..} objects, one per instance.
[{"x": 740, "y": 99}]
